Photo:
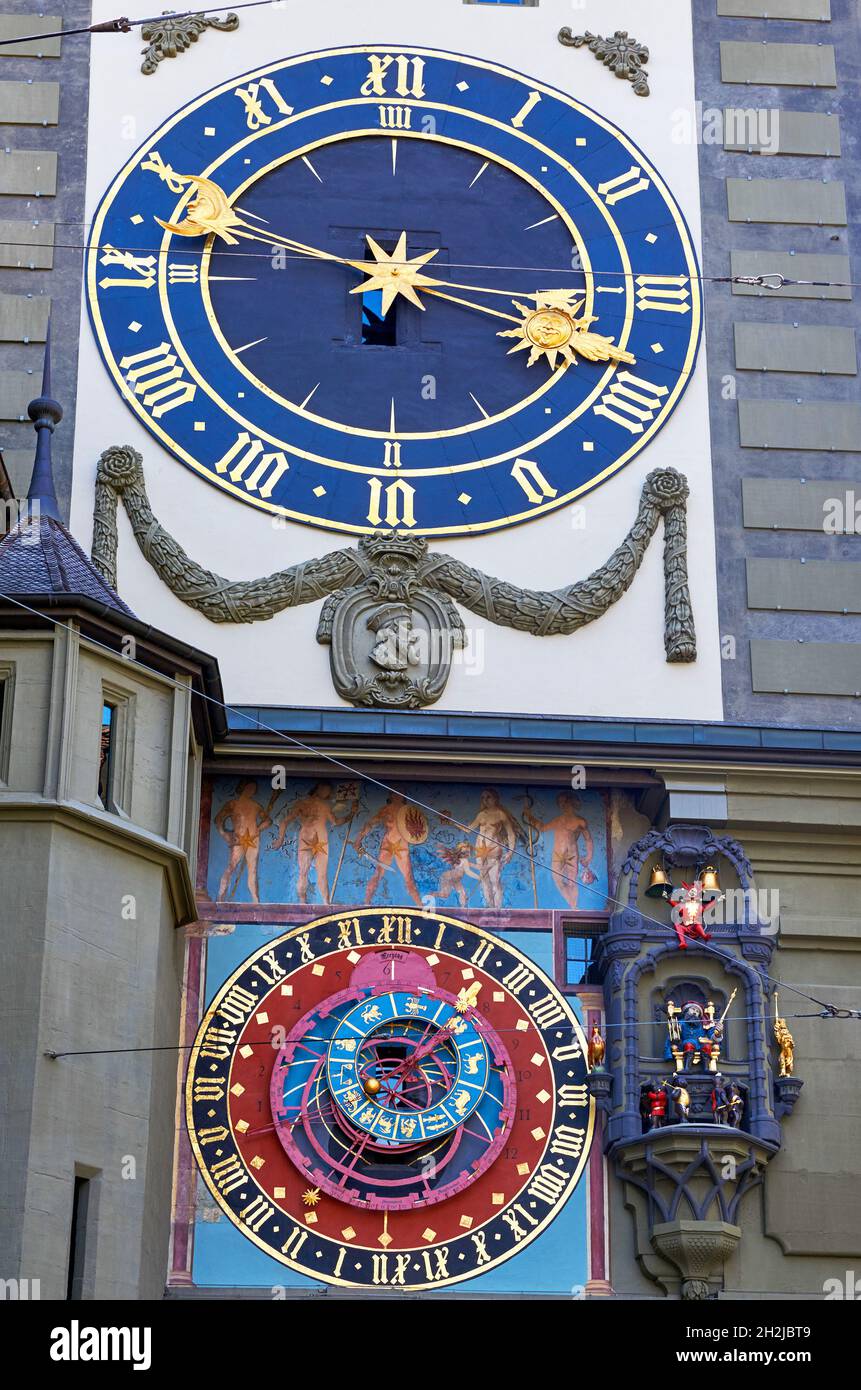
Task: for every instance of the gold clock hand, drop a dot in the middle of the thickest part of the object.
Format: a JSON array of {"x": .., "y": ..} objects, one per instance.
[{"x": 552, "y": 329}]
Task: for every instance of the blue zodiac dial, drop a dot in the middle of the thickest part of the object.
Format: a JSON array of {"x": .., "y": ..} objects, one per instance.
[
  {"x": 408, "y": 1067},
  {"x": 408, "y": 290}
]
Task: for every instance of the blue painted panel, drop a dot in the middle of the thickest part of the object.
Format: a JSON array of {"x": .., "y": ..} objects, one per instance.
[{"x": 316, "y": 842}]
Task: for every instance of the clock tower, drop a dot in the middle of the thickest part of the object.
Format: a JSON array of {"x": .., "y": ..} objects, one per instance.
[{"x": 424, "y": 378}]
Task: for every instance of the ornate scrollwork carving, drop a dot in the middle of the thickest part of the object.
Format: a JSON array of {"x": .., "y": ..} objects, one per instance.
[
  {"x": 171, "y": 35},
  {"x": 390, "y": 615},
  {"x": 624, "y": 56}
]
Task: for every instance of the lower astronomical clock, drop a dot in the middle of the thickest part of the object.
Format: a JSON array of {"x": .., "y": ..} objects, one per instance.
[{"x": 389, "y": 1100}]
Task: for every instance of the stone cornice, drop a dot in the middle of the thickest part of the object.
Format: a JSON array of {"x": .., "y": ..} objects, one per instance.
[{"x": 111, "y": 830}]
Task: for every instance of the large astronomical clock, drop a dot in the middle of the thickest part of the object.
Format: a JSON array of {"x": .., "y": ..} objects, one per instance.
[
  {"x": 389, "y": 1100},
  {"x": 379, "y": 288}
]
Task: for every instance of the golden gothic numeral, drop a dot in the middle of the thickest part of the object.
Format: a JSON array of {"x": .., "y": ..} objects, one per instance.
[
  {"x": 155, "y": 376},
  {"x": 249, "y": 463},
  {"x": 631, "y": 402},
  {"x": 256, "y": 113},
  {"x": 394, "y": 73},
  {"x": 532, "y": 480},
  {"x": 396, "y": 117},
  {"x": 142, "y": 268},
  {"x": 398, "y": 508}
]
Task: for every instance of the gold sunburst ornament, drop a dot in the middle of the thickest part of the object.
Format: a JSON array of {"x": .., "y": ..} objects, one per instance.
[
  {"x": 552, "y": 328},
  {"x": 311, "y": 1196}
]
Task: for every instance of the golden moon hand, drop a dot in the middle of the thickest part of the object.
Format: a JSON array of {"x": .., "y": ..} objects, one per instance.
[{"x": 210, "y": 212}]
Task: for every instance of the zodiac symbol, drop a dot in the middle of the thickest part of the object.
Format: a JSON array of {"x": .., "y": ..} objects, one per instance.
[
  {"x": 371, "y": 1014},
  {"x": 351, "y": 1099},
  {"x": 346, "y": 1044},
  {"x": 408, "y": 1127},
  {"x": 461, "y": 1101},
  {"x": 472, "y": 1064},
  {"x": 414, "y": 1006}
]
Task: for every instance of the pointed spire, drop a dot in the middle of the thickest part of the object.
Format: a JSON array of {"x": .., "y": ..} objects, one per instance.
[{"x": 45, "y": 413}]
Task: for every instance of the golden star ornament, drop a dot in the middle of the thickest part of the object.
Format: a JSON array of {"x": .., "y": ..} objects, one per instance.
[{"x": 394, "y": 274}]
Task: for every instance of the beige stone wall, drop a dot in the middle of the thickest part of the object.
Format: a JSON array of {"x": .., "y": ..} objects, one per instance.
[{"x": 89, "y": 906}]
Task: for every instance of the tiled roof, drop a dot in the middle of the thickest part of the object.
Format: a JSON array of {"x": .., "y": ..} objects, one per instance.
[{"x": 43, "y": 558}]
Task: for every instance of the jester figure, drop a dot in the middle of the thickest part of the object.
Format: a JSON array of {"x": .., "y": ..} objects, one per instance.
[{"x": 687, "y": 915}]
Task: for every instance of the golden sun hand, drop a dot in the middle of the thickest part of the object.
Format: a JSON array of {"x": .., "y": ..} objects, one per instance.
[{"x": 553, "y": 328}]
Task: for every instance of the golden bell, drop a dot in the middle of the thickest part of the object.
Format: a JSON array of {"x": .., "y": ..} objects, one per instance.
[
  {"x": 659, "y": 884},
  {"x": 710, "y": 882}
]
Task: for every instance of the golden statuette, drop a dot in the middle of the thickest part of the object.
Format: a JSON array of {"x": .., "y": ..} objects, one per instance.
[{"x": 785, "y": 1042}]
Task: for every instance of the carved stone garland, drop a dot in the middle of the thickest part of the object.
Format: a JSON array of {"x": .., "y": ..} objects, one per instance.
[{"x": 390, "y": 616}]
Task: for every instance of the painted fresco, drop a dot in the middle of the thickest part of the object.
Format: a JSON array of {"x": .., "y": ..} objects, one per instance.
[{"x": 465, "y": 845}]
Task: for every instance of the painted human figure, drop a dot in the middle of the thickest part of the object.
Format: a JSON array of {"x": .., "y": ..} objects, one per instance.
[
  {"x": 495, "y": 841},
  {"x": 460, "y": 867},
  {"x": 316, "y": 818},
  {"x": 735, "y": 1105},
  {"x": 567, "y": 829},
  {"x": 653, "y": 1104},
  {"x": 240, "y": 822},
  {"x": 687, "y": 915},
  {"x": 681, "y": 1099},
  {"x": 719, "y": 1100},
  {"x": 694, "y": 1031},
  {"x": 394, "y": 848}
]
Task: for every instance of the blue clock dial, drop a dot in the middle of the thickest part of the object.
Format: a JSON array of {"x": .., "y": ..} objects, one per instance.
[
  {"x": 436, "y": 367},
  {"x": 395, "y": 290}
]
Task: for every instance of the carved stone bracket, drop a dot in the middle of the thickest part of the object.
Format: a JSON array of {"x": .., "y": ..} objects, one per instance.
[
  {"x": 170, "y": 36},
  {"x": 390, "y": 616},
  {"x": 685, "y": 1186},
  {"x": 624, "y": 56}
]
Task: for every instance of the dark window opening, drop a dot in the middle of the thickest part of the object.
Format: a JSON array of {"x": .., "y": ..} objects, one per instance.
[
  {"x": 2, "y": 702},
  {"x": 378, "y": 330},
  {"x": 78, "y": 1240},
  {"x": 578, "y": 955},
  {"x": 107, "y": 755}
]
